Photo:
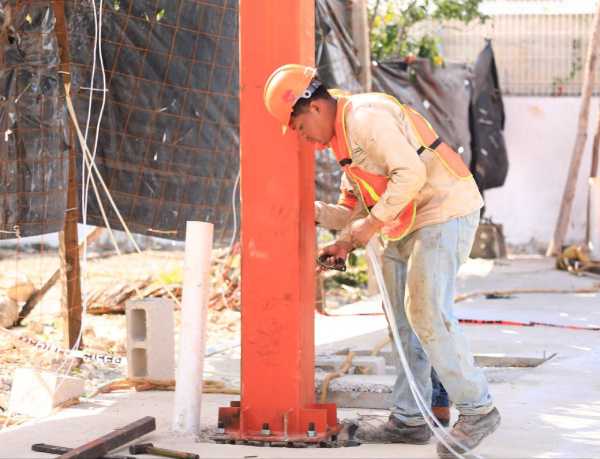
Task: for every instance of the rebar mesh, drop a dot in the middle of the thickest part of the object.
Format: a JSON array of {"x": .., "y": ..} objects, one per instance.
[{"x": 169, "y": 136}]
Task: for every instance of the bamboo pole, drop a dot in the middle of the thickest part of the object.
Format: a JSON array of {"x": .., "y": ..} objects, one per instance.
[
  {"x": 564, "y": 215},
  {"x": 360, "y": 36}
]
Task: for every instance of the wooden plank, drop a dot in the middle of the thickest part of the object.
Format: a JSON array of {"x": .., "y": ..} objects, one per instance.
[
  {"x": 117, "y": 438},
  {"x": 68, "y": 239},
  {"x": 569, "y": 193}
]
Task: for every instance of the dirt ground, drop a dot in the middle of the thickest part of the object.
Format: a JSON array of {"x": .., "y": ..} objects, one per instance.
[
  {"x": 107, "y": 333},
  {"x": 101, "y": 333}
]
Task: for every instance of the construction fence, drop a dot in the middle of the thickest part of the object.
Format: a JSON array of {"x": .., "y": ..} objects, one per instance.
[{"x": 540, "y": 46}]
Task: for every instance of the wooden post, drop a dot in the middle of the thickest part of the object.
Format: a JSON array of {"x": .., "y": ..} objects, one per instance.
[
  {"x": 593, "y": 173},
  {"x": 569, "y": 193},
  {"x": 68, "y": 240},
  {"x": 360, "y": 35},
  {"x": 69, "y": 265}
]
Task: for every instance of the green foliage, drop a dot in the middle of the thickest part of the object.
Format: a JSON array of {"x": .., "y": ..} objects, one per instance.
[
  {"x": 393, "y": 34},
  {"x": 559, "y": 83}
]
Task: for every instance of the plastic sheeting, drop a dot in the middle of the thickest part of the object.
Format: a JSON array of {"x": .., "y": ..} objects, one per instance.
[
  {"x": 440, "y": 94},
  {"x": 169, "y": 137},
  {"x": 33, "y": 123},
  {"x": 490, "y": 159}
]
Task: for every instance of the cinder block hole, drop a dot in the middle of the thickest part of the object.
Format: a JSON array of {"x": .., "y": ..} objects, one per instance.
[
  {"x": 138, "y": 324},
  {"x": 139, "y": 363}
]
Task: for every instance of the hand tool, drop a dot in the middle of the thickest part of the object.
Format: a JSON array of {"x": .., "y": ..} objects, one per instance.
[
  {"x": 149, "y": 448},
  {"x": 329, "y": 262},
  {"x": 53, "y": 449}
]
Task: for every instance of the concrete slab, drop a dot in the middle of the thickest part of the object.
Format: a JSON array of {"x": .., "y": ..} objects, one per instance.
[
  {"x": 372, "y": 365},
  {"x": 548, "y": 412},
  {"x": 559, "y": 421},
  {"x": 518, "y": 272}
]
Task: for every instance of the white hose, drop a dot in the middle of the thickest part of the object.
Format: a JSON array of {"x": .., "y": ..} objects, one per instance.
[{"x": 441, "y": 433}]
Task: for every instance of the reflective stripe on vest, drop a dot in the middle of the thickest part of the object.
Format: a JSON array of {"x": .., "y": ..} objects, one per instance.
[{"x": 372, "y": 186}]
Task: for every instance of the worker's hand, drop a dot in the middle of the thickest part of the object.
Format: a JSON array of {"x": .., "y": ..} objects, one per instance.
[
  {"x": 362, "y": 230},
  {"x": 339, "y": 249}
]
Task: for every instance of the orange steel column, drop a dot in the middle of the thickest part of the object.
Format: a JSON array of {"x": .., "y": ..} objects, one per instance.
[{"x": 278, "y": 243}]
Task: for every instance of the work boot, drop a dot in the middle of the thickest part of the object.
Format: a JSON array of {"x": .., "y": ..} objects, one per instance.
[
  {"x": 442, "y": 414},
  {"x": 470, "y": 431},
  {"x": 391, "y": 431}
]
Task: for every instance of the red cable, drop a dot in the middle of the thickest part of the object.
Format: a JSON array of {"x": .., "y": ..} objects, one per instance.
[{"x": 481, "y": 322}]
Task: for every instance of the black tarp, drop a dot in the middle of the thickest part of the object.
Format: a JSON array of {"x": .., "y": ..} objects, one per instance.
[
  {"x": 169, "y": 138},
  {"x": 490, "y": 159},
  {"x": 338, "y": 67},
  {"x": 440, "y": 94},
  {"x": 33, "y": 122}
]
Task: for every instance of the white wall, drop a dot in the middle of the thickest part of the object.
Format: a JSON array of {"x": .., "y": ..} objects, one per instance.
[{"x": 540, "y": 134}]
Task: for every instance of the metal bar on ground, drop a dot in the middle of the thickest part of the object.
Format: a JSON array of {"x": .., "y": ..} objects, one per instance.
[
  {"x": 117, "y": 438},
  {"x": 53, "y": 449}
]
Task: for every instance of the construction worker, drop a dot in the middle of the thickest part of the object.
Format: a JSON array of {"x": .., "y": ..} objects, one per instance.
[
  {"x": 334, "y": 217},
  {"x": 416, "y": 192}
]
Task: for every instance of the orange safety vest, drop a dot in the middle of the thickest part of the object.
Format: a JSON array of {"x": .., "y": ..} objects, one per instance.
[{"x": 372, "y": 186}]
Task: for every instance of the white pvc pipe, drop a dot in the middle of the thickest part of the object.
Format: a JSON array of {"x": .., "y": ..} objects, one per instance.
[
  {"x": 595, "y": 218},
  {"x": 192, "y": 336}
]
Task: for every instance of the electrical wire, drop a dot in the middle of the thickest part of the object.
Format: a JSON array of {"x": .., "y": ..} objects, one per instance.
[{"x": 441, "y": 433}]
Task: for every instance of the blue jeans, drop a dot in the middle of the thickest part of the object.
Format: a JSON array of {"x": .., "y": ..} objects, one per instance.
[
  {"x": 439, "y": 396},
  {"x": 420, "y": 275}
]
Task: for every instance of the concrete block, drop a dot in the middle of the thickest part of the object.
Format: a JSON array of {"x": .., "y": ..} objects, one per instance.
[
  {"x": 37, "y": 393},
  {"x": 375, "y": 365},
  {"x": 150, "y": 339}
]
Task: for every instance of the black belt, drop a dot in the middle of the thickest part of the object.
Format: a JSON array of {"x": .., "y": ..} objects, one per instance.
[{"x": 436, "y": 143}]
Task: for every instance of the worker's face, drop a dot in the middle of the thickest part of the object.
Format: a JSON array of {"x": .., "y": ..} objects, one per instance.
[{"x": 314, "y": 124}]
